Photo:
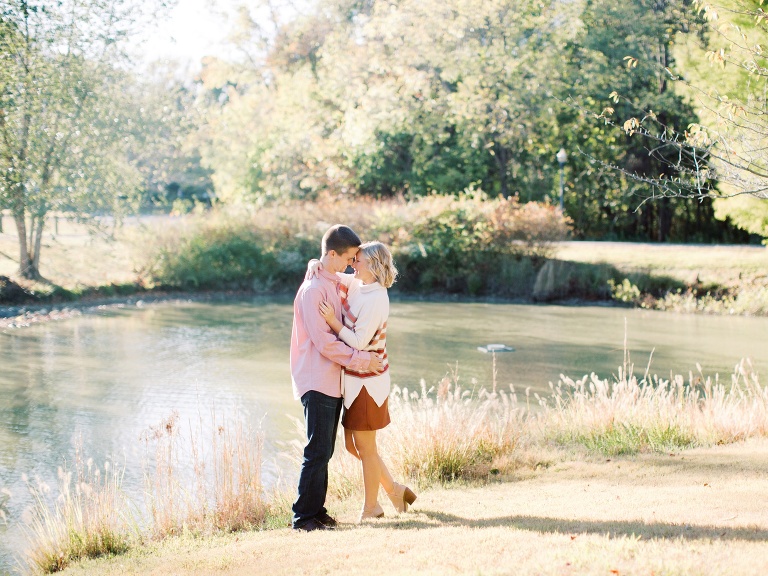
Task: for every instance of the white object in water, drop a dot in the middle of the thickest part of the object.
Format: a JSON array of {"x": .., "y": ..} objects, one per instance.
[{"x": 495, "y": 348}]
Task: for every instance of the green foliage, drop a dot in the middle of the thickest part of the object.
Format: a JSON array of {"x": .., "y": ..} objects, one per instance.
[
  {"x": 707, "y": 56},
  {"x": 618, "y": 70},
  {"x": 467, "y": 244},
  {"x": 215, "y": 259},
  {"x": 472, "y": 244},
  {"x": 625, "y": 292},
  {"x": 428, "y": 96},
  {"x": 747, "y": 212},
  {"x": 70, "y": 125}
]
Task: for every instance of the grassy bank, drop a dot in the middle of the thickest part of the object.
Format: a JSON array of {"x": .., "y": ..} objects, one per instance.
[
  {"x": 702, "y": 512},
  {"x": 441, "y": 436},
  {"x": 685, "y": 278},
  {"x": 461, "y": 247}
]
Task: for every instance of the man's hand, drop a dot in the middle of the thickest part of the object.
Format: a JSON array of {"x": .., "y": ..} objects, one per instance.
[{"x": 376, "y": 365}]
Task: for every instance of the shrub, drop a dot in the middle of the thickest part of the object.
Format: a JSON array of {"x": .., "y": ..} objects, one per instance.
[
  {"x": 462, "y": 243},
  {"x": 624, "y": 292},
  {"x": 752, "y": 299},
  {"x": 467, "y": 243}
]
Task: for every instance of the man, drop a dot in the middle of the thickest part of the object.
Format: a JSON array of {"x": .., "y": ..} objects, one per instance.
[{"x": 317, "y": 356}]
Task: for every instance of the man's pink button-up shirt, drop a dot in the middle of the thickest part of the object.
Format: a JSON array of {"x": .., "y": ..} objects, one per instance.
[{"x": 317, "y": 355}]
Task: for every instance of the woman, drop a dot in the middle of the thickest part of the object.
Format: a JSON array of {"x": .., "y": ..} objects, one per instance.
[{"x": 365, "y": 309}]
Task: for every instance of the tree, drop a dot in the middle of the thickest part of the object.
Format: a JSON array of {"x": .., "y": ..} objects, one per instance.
[
  {"x": 618, "y": 62},
  {"x": 436, "y": 96},
  {"x": 724, "y": 75},
  {"x": 65, "y": 126},
  {"x": 378, "y": 98}
]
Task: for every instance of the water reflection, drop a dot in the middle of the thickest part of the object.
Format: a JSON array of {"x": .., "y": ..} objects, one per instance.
[{"x": 101, "y": 380}]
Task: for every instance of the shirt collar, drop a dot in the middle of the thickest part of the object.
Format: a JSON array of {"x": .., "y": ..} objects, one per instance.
[
  {"x": 330, "y": 276},
  {"x": 371, "y": 287}
]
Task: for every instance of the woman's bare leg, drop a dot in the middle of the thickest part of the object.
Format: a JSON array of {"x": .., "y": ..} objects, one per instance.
[
  {"x": 349, "y": 443},
  {"x": 387, "y": 482},
  {"x": 365, "y": 442}
]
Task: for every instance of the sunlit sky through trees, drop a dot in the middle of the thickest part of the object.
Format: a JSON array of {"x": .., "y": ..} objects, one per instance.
[{"x": 193, "y": 29}]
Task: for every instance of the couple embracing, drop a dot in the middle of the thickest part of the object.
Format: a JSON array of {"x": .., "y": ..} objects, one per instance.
[{"x": 339, "y": 360}]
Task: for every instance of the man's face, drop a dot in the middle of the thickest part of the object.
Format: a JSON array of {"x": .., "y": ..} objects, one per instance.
[{"x": 341, "y": 261}]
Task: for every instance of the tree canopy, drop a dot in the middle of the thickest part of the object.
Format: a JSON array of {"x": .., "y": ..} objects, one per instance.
[
  {"x": 424, "y": 96},
  {"x": 382, "y": 98}
]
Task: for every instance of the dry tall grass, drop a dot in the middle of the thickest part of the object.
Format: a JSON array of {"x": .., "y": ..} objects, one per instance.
[
  {"x": 211, "y": 482},
  {"x": 208, "y": 480},
  {"x": 437, "y": 435},
  {"x": 205, "y": 482},
  {"x": 450, "y": 432},
  {"x": 650, "y": 414},
  {"x": 90, "y": 517}
]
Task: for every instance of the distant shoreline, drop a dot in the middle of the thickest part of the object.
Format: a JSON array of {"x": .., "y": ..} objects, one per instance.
[{"x": 25, "y": 315}]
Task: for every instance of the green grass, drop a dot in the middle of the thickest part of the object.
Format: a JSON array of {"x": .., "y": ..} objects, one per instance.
[
  {"x": 622, "y": 439},
  {"x": 680, "y": 278}
]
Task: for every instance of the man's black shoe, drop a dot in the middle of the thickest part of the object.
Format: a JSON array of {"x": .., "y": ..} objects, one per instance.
[
  {"x": 326, "y": 520},
  {"x": 310, "y": 525}
]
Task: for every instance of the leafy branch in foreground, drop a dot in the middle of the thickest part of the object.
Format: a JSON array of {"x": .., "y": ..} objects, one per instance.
[{"x": 722, "y": 155}]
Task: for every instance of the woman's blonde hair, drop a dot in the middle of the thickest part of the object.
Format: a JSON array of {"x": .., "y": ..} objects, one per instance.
[{"x": 380, "y": 263}]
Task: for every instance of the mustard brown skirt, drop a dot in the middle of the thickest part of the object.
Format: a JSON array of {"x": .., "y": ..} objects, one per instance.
[{"x": 364, "y": 414}]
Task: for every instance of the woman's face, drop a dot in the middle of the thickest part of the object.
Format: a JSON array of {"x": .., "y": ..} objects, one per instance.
[{"x": 362, "y": 272}]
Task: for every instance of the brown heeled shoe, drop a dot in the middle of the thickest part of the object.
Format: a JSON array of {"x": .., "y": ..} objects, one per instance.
[
  {"x": 368, "y": 513},
  {"x": 401, "y": 497}
]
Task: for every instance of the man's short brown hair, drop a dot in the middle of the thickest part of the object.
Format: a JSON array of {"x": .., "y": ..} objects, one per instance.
[{"x": 339, "y": 238}]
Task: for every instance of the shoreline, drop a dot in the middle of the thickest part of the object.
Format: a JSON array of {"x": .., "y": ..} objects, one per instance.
[{"x": 24, "y": 315}]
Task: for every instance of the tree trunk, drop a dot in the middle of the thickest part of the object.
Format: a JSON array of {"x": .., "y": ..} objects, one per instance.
[
  {"x": 665, "y": 219},
  {"x": 38, "y": 243},
  {"x": 501, "y": 154},
  {"x": 26, "y": 266}
]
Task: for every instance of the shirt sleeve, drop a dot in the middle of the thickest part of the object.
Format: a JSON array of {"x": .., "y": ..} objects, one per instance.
[
  {"x": 372, "y": 316},
  {"x": 323, "y": 337}
]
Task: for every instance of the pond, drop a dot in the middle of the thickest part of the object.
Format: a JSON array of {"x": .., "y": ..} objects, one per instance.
[{"x": 101, "y": 379}]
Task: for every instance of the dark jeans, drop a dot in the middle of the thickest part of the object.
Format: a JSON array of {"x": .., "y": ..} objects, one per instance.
[{"x": 321, "y": 414}]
